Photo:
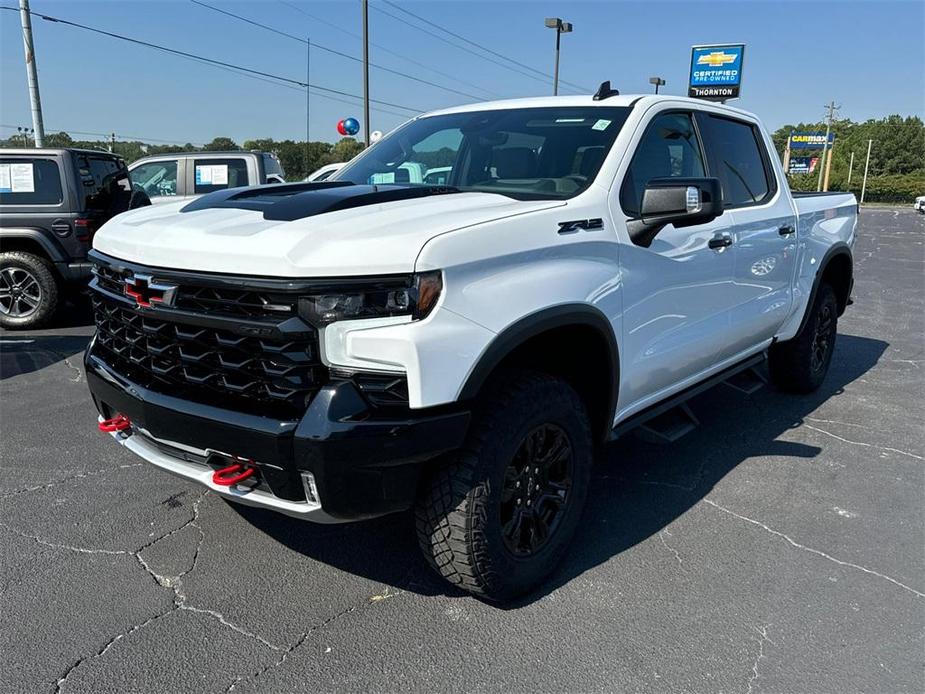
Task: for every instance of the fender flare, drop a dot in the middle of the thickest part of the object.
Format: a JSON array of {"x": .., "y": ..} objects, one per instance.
[
  {"x": 51, "y": 249},
  {"x": 840, "y": 248},
  {"x": 519, "y": 332}
]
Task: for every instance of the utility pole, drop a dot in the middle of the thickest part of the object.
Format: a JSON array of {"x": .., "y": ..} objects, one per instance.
[
  {"x": 828, "y": 169},
  {"x": 112, "y": 142},
  {"x": 308, "y": 65},
  {"x": 787, "y": 157},
  {"x": 866, "y": 165},
  {"x": 850, "y": 169},
  {"x": 37, "y": 126},
  {"x": 365, "y": 8},
  {"x": 825, "y": 145}
]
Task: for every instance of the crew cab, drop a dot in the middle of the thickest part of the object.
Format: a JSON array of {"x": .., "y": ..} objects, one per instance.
[
  {"x": 51, "y": 203},
  {"x": 343, "y": 349},
  {"x": 187, "y": 175}
]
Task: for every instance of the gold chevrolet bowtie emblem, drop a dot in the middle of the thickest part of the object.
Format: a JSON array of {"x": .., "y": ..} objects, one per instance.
[{"x": 716, "y": 59}]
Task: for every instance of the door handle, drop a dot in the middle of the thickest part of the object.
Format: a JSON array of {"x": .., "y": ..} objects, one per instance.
[
  {"x": 786, "y": 230},
  {"x": 718, "y": 242}
]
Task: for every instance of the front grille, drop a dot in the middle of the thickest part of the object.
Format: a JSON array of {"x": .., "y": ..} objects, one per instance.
[{"x": 271, "y": 376}]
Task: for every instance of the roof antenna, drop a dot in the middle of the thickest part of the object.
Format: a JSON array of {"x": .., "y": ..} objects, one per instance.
[{"x": 604, "y": 91}]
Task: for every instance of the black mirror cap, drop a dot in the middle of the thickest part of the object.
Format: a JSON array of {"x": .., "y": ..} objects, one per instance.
[{"x": 665, "y": 201}]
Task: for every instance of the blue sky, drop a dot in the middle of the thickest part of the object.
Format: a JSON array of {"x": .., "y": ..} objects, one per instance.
[{"x": 867, "y": 56}]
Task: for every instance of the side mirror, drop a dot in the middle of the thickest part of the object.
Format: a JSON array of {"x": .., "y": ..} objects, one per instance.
[
  {"x": 681, "y": 202},
  {"x": 274, "y": 178}
]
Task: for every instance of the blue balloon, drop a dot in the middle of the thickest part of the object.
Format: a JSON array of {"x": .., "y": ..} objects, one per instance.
[{"x": 352, "y": 126}]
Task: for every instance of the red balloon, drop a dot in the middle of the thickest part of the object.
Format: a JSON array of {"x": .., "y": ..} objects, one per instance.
[{"x": 340, "y": 127}]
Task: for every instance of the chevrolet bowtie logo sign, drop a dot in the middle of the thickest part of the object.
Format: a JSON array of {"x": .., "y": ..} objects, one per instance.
[
  {"x": 716, "y": 59},
  {"x": 716, "y": 71},
  {"x": 147, "y": 293}
]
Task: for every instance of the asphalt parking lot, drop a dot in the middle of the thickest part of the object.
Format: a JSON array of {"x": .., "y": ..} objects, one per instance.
[{"x": 780, "y": 547}]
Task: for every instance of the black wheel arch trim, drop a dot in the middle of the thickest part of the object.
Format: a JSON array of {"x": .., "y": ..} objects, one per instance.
[
  {"x": 535, "y": 324},
  {"x": 52, "y": 251},
  {"x": 838, "y": 249}
]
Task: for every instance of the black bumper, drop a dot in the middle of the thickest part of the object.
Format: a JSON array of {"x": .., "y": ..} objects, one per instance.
[{"x": 364, "y": 464}]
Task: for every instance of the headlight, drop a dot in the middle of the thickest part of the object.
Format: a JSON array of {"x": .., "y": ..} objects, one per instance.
[{"x": 416, "y": 298}]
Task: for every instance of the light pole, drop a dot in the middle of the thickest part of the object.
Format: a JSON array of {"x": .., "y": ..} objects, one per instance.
[
  {"x": 658, "y": 82},
  {"x": 561, "y": 28}
]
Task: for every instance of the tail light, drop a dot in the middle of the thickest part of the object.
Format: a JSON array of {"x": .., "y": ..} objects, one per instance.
[{"x": 85, "y": 227}]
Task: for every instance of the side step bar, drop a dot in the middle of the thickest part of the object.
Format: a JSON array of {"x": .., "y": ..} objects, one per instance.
[{"x": 671, "y": 419}]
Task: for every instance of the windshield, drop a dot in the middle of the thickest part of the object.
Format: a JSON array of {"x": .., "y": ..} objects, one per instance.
[{"x": 528, "y": 153}]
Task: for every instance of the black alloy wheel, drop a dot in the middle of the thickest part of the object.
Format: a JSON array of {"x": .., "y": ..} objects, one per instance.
[{"x": 536, "y": 490}]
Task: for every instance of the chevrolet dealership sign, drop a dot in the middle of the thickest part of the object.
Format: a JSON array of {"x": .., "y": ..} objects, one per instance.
[{"x": 716, "y": 72}]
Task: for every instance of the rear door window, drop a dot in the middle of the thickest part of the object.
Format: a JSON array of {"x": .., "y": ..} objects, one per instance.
[
  {"x": 217, "y": 174},
  {"x": 737, "y": 159},
  {"x": 30, "y": 182},
  {"x": 158, "y": 179},
  {"x": 103, "y": 181}
]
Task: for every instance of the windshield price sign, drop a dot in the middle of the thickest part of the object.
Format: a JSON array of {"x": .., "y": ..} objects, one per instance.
[{"x": 716, "y": 72}]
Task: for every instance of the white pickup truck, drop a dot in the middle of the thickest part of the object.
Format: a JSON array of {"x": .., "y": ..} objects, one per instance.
[{"x": 342, "y": 350}]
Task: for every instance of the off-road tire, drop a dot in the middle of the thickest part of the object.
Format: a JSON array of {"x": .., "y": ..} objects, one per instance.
[
  {"x": 41, "y": 270},
  {"x": 792, "y": 364},
  {"x": 458, "y": 514}
]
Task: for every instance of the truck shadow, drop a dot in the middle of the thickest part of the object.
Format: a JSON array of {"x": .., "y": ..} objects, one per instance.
[
  {"x": 27, "y": 352},
  {"x": 638, "y": 488}
]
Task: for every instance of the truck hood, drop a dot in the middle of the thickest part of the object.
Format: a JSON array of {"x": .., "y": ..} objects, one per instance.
[{"x": 373, "y": 239}]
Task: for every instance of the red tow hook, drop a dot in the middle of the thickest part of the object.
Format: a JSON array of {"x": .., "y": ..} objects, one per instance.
[
  {"x": 232, "y": 474},
  {"x": 118, "y": 423}
]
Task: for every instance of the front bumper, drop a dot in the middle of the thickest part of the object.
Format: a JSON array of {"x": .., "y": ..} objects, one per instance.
[{"x": 364, "y": 464}]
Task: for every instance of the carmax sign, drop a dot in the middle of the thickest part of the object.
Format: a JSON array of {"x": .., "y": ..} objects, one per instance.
[
  {"x": 716, "y": 71},
  {"x": 810, "y": 140}
]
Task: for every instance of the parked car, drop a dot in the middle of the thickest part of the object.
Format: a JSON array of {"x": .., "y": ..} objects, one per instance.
[
  {"x": 341, "y": 350},
  {"x": 186, "y": 175},
  {"x": 919, "y": 204},
  {"x": 325, "y": 172},
  {"x": 51, "y": 203}
]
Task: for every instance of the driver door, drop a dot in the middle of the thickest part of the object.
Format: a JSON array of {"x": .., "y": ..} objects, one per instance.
[{"x": 677, "y": 291}]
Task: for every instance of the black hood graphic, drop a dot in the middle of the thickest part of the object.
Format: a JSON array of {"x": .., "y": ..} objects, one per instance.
[{"x": 288, "y": 202}]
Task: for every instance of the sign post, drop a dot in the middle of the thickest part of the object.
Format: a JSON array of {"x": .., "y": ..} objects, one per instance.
[{"x": 716, "y": 71}]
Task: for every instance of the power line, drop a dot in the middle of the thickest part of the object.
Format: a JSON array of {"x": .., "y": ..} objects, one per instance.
[
  {"x": 478, "y": 45},
  {"x": 333, "y": 51},
  {"x": 210, "y": 61},
  {"x": 447, "y": 41},
  {"x": 382, "y": 48},
  {"x": 136, "y": 138}
]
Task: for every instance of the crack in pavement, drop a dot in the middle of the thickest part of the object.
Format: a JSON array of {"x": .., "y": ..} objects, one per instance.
[
  {"x": 661, "y": 536},
  {"x": 70, "y": 478},
  {"x": 173, "y": 583},
  {"x": 862, "y": 443},
  {"x": 305, "y": 636},
  {"x": 69, "y": 365},
  {"x": 817, "y": 552},
  {"x": 763, "y": 633}
]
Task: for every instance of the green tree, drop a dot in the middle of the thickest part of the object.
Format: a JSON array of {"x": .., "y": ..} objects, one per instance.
[
  {"x": 222, "y": 144},
  {"x": 897, "y": 160},
  {"x": 344, "y": 150}
]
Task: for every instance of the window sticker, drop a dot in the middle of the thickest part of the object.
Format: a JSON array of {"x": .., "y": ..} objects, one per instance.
[
  {"x": 17, "y": 178},
  {"x": 212, "y": 175},
  {"x": 22, "y": 178},
  {"x": 601, "y": 125}
]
